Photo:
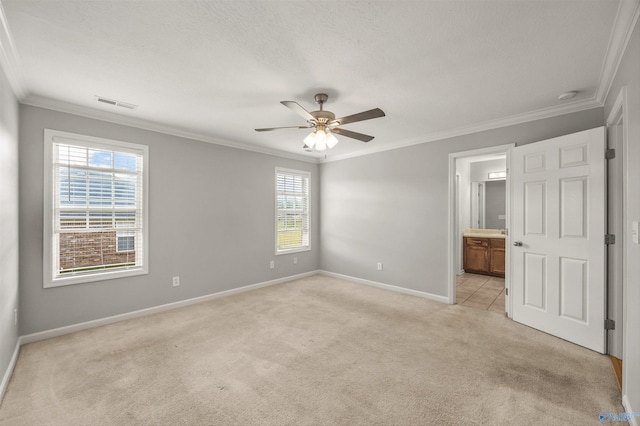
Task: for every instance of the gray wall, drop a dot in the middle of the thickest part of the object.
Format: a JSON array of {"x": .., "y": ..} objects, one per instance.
[
  {"x": 495, "y": 204},
  {"x": 211, "y": 221},
  {"x": 629, "y": 75},
  {"x": 392, "y": 206},
  {"x": 8, "y": 222}
]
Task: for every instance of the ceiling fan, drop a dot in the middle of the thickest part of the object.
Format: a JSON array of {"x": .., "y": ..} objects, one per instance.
[{"x": 325, "y": 124}]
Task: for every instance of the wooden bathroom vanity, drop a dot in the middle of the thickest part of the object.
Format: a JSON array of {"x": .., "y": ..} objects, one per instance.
[{"x": 484, "y": 252}]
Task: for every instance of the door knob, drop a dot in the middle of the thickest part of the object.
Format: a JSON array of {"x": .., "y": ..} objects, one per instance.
[{"x": 517, "y": 243}]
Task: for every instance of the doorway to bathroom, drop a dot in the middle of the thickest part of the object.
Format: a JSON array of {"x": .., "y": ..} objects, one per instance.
[{"x": 479, "y": 196}]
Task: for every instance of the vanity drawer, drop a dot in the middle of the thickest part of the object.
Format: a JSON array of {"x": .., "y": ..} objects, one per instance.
[{"x": 483, "y": 242}]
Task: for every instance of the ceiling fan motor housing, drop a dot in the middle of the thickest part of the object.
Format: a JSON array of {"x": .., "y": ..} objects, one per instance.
[
  {"x": 321, "y": 98},
  {"x": 323, "y": 117}
]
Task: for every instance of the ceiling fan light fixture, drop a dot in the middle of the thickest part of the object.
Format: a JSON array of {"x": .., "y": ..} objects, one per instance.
[
  {"x": 320, "y": 139},
  {"x": 321, "y": 136},
  {"x": 331, "y": 140},
  {"x": 321, "y": 143},
  {"x": 310, "y": 140}
]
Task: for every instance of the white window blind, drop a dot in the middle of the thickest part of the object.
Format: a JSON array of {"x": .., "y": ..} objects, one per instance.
[
  {"x": 292, "y": 210},
  {"x": 97, "y": 208}
]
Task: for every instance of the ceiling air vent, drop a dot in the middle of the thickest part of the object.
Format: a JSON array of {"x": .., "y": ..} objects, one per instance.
[{"x": 116, "y": 103}]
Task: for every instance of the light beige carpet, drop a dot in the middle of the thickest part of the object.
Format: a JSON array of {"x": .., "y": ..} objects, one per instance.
[{"x": 317, "y": 351}]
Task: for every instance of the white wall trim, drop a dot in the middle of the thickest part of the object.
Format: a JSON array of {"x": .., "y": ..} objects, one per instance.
[
  {"x": 9, "y": 58},
  {"x": 619, "y": 104},
  {"x": 9, "y": 372},
  {"x": 48, "y": 334},
  {"x": 139, "y": 123},
  {"x": 633, "y": 421},
  {"x": 513, "y": 120},
  {"x": 111, "y": 117},
  {"x": 410, "y": 292},
  {"x": 626, "y": 19},
  {"x": 615, "y": 343}
]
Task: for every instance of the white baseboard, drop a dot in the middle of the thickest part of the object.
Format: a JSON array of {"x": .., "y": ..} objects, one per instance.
[
  {"x": 48, "y": 334},
  {"x": 633, "y": 421},
  {"x": 424, "y": 295},
  {"x": 9, "y": 372}
]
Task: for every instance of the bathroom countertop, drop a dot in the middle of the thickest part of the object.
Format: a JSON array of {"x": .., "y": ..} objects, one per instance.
[{"x": 483, "y": 233}]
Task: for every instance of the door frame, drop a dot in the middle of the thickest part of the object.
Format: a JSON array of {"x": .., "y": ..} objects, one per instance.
[
  {"x": 455, "y": 246},
  {"x": 615, "y": 290}
]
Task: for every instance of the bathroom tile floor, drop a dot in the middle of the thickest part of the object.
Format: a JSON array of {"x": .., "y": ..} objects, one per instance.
[{"x": 480, "y": 292}]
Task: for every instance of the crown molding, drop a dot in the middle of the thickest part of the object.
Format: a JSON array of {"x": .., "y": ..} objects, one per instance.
[
  {"x": 52, "y": 104},
  {"x": 115, "y": 118},
  {"x": 10, "y": 60},
  {"x": 626, "y": 20},
  {"x": 540, "y": 114}
]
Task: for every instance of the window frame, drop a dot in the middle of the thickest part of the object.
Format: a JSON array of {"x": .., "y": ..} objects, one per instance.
[
  {"x": 56, "y": 136},
  {"x": 306, "y": 175}
]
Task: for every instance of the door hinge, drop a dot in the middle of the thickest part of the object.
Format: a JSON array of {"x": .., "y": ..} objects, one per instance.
[
  {"x": 609, "y": 239},
  {"x": 609, "y": 324},
  {"x": 506, "y": 291},
  {"x": 609, "y": 154}
]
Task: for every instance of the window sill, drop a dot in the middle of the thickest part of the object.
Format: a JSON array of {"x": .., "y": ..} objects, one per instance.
[
  {"x": 293, "y": 250},
  {"x": 82, "y": 279}
]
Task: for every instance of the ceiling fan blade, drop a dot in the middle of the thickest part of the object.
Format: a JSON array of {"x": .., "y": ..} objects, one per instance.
[
  {"x": 350, "y": 134},
  {"x": 268, "y": 129},
  {"x": 366, "y": 115},
  {"x": 295, "y": 107}
]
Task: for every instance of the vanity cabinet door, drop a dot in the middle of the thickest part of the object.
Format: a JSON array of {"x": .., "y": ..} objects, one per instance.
[
  {"x": 476, "y": 254},
  {"x": 497, "y": 256}
]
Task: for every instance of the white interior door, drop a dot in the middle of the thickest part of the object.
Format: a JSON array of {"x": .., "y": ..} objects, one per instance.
[{"x": 558, "y": 253}]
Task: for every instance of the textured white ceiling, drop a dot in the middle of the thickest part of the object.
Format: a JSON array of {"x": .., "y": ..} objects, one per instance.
[{"x": 218, "y": 69}]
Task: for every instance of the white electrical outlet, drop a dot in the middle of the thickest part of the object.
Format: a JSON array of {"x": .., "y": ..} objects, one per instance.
[
  {"x": 272, "y": 264},
  {"x": 176, "y": 281},
  {"x": 295, "y": 260},
  {"x": 379, "y": 266}
]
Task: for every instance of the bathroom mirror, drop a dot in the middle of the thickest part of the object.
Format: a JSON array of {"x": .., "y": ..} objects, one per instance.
[{"x": 488, "y": 204}]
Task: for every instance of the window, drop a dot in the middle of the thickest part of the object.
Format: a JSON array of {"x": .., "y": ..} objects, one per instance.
[
  {"x": 125, "y": 242},
  {"x": 292, "y": 211},
  {"x": 95, "y": 209}
]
